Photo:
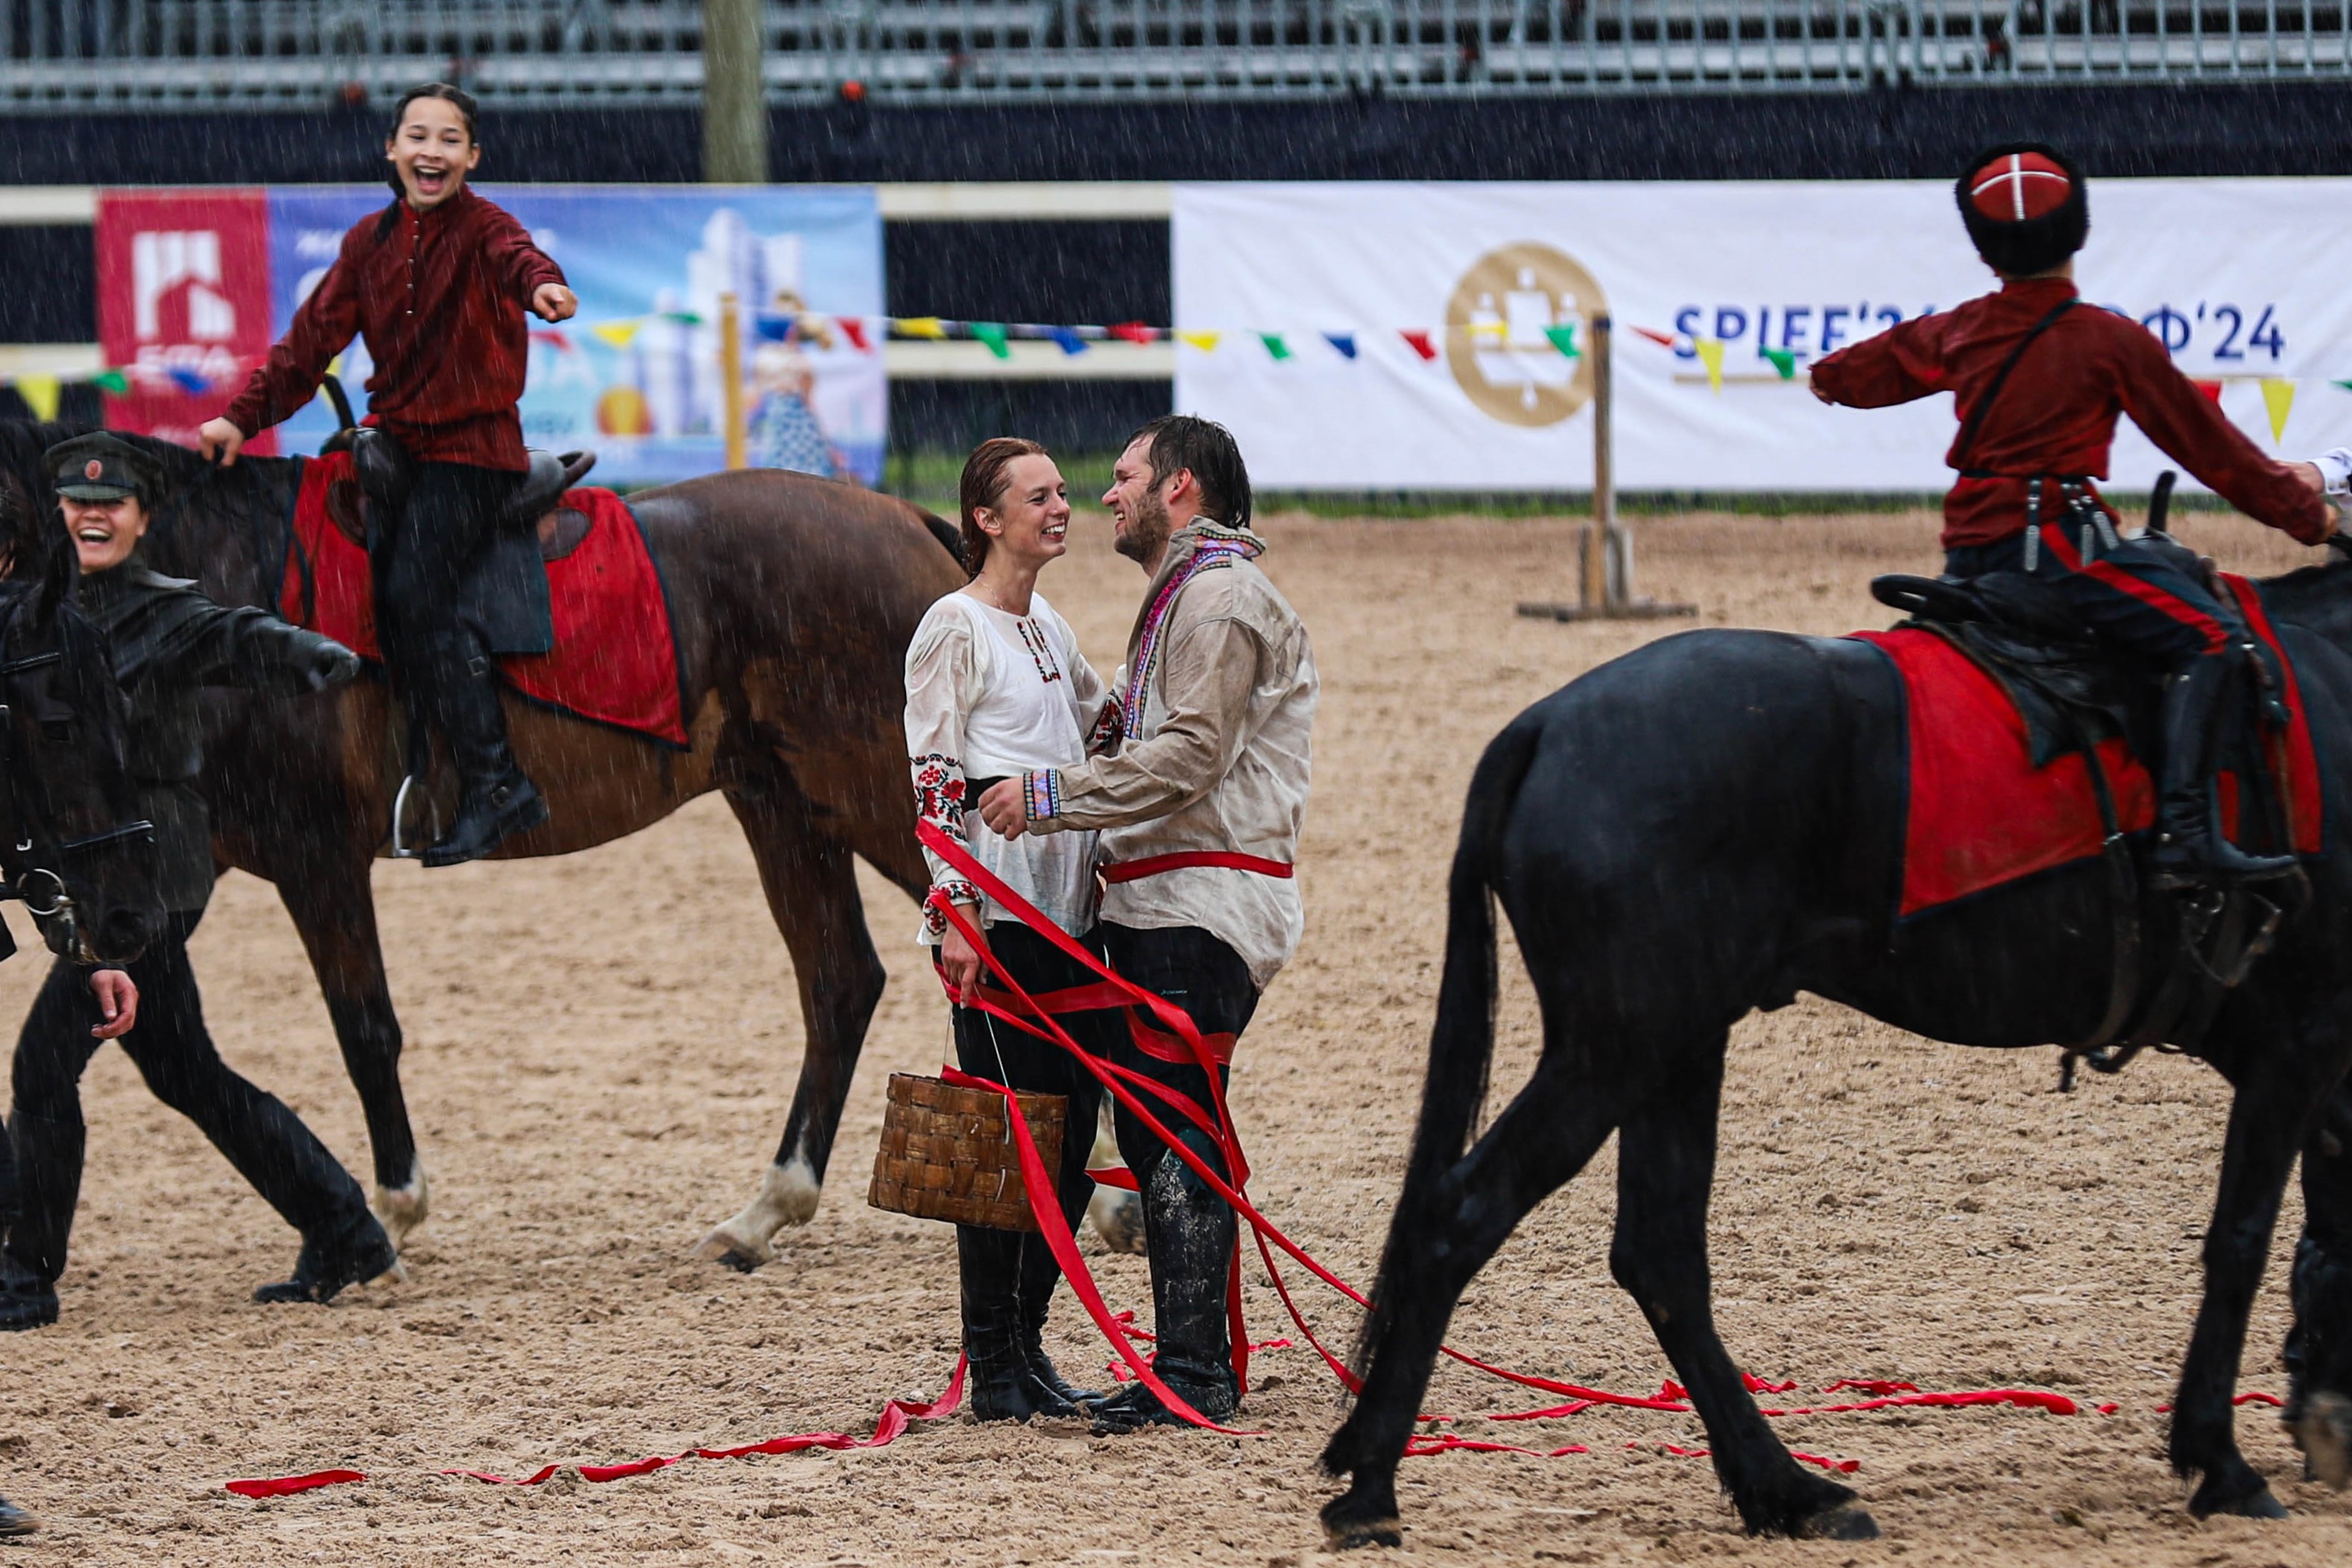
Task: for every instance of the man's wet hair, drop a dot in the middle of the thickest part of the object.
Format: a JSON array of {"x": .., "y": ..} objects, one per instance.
[
  {"x": 1208, "y": 448},
  {"x": 443, "y": 91}
]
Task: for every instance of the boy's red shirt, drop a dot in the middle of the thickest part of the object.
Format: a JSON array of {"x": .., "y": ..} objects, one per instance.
[
  {"x": 439, "y": 299},
  {"x": 2057, "y": 413}
]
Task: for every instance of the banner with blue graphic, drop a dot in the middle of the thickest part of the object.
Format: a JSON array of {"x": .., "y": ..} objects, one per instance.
[{"x": 635, "y": 376}]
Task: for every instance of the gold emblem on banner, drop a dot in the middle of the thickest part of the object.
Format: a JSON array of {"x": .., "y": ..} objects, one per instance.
[{"x": 1499, "y": 329}]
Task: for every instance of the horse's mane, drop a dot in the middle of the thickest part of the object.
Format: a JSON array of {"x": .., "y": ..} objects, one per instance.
[{"x": 201, "y": 508}]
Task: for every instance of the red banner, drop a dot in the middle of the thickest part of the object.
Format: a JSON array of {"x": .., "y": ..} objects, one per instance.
[{"x": 183, "y": 303}]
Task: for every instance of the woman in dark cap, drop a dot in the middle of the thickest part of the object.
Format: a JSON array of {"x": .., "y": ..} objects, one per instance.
[
  {"x": 168, "y": 639},
  {"x": 118, "y": 1008}
]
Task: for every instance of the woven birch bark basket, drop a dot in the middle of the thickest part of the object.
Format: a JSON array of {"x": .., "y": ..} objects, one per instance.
[{"x": 950, "y": 1153}]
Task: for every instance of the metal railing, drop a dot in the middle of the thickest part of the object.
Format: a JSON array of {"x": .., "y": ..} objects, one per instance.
[{"x": 66, "y": 54}]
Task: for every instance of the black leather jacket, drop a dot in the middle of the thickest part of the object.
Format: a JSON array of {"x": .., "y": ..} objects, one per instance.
[{"x": 167, "y": 640}]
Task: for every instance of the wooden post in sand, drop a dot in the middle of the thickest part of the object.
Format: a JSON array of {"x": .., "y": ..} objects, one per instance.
[
  {"x": 1604, "y": 552},
  {"x": 730, "y": 378}
]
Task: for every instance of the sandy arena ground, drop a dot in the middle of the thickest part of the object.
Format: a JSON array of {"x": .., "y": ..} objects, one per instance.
[{"x": 601, "y": 1050}]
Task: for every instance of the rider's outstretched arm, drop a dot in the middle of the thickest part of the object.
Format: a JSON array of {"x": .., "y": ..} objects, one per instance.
[
  {"x": 323, "y": 326},
  {"x": 2191, "y": 429},
  {"x": 1901, "y": 364}
]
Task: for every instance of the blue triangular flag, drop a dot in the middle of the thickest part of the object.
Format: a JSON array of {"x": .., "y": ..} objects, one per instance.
[
  {"x": 1071, "y": 342},
  {"x": 189, "y": 380},
  {"x": 1344, "y": 342},
  {"x": 774, "y": 326}
]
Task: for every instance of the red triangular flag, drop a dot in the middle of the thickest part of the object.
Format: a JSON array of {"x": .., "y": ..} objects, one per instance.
[
  {"x": 1132, "y": 332},
  {"x": 855, "y": 330},
  {"x": 1663, "y": 340},
  {"x": 2211, "y": 389},
  {"x": 1420, "y": 344}
]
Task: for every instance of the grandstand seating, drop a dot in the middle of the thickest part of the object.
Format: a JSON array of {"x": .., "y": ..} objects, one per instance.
[{"x": 75, "y": 54}]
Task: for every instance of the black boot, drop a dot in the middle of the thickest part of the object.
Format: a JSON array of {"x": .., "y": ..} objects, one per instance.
[
  {"x": 14, "y": 1521},
  {"x": 1040, "y": 1272},
  {"x": 1188, "y": 1231},
  {"x": 2190, "y": 849},
  {"x": 496, "y": 800},
  {"x": 1004, "y": 1385},
  {"x": 48, "y": 1174},
  {"x": 324, "y": 1268}
]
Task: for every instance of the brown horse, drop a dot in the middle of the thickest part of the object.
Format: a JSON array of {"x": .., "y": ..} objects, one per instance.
[{"x": 793, "y": 600}]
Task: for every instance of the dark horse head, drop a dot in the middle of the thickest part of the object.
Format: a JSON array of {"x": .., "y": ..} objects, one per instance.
[{"x": 72, "y": 845}]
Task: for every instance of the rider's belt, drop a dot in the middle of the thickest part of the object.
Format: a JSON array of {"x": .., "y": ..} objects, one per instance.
[{"x": 1153, "y": 865}]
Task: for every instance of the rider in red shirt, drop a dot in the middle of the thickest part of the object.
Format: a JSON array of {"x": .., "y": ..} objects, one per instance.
[
  {"x": 437, "y": 284},
  {"x": 2038, "y": 378}
]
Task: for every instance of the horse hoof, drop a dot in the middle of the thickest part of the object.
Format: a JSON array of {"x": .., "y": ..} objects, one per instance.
[
  {"x": 1345, "y": 1535},
  {"x": 1117, "y": 1217},
  {"x": 2323, "y": 1433},
  {"x": 1846, "y": 1521},
  {"x": 2256, "y": 1504},
  {"x": 729, "y": 1250}
]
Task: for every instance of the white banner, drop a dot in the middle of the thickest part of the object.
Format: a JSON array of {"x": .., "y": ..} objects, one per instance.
[{"x": 1392, "y": 336}]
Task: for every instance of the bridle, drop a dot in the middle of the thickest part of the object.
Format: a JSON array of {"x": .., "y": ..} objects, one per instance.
[{"x": 41, "y": 868}]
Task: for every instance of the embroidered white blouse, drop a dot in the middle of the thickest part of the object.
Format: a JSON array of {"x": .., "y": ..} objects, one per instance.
[{"x": 992, "y": 695}]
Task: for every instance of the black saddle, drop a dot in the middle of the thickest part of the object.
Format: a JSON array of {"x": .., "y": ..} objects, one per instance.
[
  {"x": 544, "y": 484},
  {"x": 2071, "y": 692}
]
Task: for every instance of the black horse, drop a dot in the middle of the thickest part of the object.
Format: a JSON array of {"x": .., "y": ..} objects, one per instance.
[{"x": 1714, "y": 823}]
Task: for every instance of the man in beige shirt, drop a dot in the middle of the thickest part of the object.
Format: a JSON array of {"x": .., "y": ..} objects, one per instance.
[{"x": 1199, "y": 809}]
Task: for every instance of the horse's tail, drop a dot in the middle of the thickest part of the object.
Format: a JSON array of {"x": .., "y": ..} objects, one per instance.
[{"x": 1462, "y": 1042}]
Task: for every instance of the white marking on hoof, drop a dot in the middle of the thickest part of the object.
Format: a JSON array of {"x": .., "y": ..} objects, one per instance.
[
  {"x": 788, "y": 1196},
  {"x": 402, "y": 1209},
  {"x": 2325, "y": 1436},
  {"x": 1117, "y": 1216}
]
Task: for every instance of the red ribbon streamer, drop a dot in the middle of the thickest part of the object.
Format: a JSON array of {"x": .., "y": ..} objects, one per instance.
[
  {"x": 286, "y": 1486},
  {"x": 1219, "y": 1124},
  {"x": 898, "y": 1414}
]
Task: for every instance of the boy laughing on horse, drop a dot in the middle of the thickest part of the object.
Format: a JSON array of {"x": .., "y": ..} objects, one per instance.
[
  {"x": 437, "y": 284},
  {"x": 1198, "y": 812},
  {"x": 2038, "y": 379}
]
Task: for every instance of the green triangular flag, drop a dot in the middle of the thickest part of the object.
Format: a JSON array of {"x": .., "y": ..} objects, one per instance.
[
  {"x": 1563, "y": 338},
  {"x": 112, "y": 381},
  {"x": 1783, "y": 360},
  {"x": 1274, "y": 345},
  {"x": 2347, "y": 385},
  {"x": 993, "y": 334}
]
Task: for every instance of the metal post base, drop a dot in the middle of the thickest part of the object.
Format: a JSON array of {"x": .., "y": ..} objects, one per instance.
[
  {"x": 1605, "y": 573},
  {"x": 1632, "y": 610}
]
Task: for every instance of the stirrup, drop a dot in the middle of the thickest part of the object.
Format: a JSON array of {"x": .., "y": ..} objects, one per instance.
[{"x": 400, "y": 849}]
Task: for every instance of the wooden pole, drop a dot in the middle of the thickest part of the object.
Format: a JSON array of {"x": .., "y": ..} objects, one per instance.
[
  {"x": 1595, "y": 586},
  {"x": 731, "y": 377},
  {"x": 1605, "y": 572},
  {"x": 734, "y": 101}
]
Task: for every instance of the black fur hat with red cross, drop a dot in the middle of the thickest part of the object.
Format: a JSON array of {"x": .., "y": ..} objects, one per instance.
[{"x": 2026, "y": 207}]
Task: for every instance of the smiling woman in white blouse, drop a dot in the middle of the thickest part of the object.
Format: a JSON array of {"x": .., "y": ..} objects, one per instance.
[{"x": 995, "y": 687}]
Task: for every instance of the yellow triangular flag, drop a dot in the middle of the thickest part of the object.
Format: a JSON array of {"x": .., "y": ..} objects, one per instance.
[
  {"x": 620, "y": 334},
  {"x": 1710, "y": 354},
  {"x": 1205, "y": 342},
  {"x": 919, "y": 327},
  {"x": 40, "y": 395},
  {"x": 2278, "y": 397}
]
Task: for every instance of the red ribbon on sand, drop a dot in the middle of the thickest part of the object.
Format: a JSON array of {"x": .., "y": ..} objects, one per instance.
[{"x": 286, "y": 1486}]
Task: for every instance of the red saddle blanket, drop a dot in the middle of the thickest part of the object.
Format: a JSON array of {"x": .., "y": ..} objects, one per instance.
[
  {"x": 1980, "y": 814},
  {"x": 614, "y": 660}
]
